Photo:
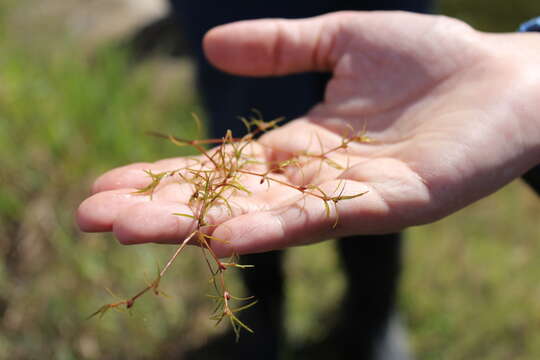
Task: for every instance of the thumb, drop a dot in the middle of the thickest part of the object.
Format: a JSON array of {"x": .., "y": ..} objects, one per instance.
[{"x": 272, "y": 46}]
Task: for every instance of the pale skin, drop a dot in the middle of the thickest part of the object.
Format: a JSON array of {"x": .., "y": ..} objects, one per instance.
[{"x": 453, "y": 112}]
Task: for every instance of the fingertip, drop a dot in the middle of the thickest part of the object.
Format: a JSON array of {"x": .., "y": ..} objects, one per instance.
[
  {"x": 152, "y": 222},
  {"x": 271, "y": 47},
  {"x": 126, "y": 176},
  {"x": 88, "y": 220},
  {"x": 98, "y": 212},
  {"x": 223, "y": 247},
  {"x": 243, "y": 47},
  {"x": 249, "y": 233}
]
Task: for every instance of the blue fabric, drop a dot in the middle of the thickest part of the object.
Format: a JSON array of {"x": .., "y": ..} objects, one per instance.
[
  {"x": 531, "y": 25},
  {"x": 532, "y": 177}
]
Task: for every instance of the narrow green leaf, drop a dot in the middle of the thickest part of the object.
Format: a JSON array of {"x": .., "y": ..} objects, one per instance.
[
  {"x": 348, "y": 197},
  {"x": 245, "y": 306},
  {"x": 333, "y": 164},
  {"x": 247, "y": 328},
  {"x": 240, "y": 187},
  {"x": 326, "y": 208},
  {"x": 186, "y": 215},
  {"x": 101, "y": 311},
  {"x": 215, "y": 238},
  {"x": 242, "y": 298}
]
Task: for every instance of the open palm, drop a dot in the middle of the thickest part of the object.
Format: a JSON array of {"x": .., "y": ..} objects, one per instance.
[{"x": 449, "y": 122}]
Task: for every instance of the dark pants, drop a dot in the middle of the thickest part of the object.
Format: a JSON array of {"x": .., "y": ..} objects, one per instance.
[{"x": 371, "y": 263}]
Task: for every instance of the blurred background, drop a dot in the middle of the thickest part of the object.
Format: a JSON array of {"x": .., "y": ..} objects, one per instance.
[{"x": 80, "y": 83}]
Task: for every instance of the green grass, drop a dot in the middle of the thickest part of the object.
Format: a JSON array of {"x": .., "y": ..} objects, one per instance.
[
  {"x": 471, "y": 286},
  {"x": 470, "y": 289},
  {"x": 64, "y": 119}
]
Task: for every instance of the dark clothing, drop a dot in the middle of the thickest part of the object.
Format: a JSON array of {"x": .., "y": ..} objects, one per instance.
[{"x": 225, "y": 96}]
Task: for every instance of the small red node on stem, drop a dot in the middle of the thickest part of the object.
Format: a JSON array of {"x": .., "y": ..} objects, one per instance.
[
  {"x": 129, "y": 303},
  {"x": 226, "y": 295}
]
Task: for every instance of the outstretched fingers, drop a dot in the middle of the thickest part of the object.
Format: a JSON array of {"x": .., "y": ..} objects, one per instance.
[
  {"x": 168, "y": 216},
  {"x": 305, "y": 220},
  {"x": 136, "y": 176},
  {"x": 136, "y": 219},
  {"x": 375, "y": 196},
  {"x": 98, "y": 212},
  {"x": 272, "y": 46}
]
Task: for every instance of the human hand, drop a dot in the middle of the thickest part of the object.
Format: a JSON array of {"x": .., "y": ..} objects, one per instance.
[{"x": 452, "y": 113}]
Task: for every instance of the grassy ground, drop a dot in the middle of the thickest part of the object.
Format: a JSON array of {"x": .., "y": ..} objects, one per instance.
[
  {"x": 65, "y": 118},
  {"x": 470, "y": 289},
  {"x": 471, "y": 285}
]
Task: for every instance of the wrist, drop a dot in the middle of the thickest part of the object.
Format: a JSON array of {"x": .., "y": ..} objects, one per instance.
[
  {"x": 515, "y": 60},
  {"x": 526, "y": 104}
]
